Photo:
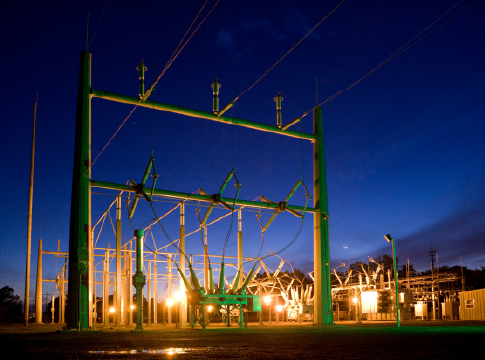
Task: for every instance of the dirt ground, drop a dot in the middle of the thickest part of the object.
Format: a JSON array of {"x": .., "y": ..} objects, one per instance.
[{"x": 346, "y": 340}]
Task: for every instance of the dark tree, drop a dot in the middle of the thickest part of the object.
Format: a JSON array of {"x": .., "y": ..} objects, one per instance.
[{"x": 10, "y": 306}]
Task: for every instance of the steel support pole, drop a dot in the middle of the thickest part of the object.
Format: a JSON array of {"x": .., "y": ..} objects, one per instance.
[
  {"x": 124, "y": 285},
  {"x": 95, "y": 298},
  {"x": 139, "y": 279},
  {"x": 183, "y": 306},
  {"x": 29, "y": 224},
  {"x": 155, "y": 290},
  {"x": 130, "y": 288},
  {"x": 62, "y": 296},
  {"x": 90, "y": 278},
  {"x": 38, "y": 288},
  {"x": 169, "y": 281},
  {"x": 206, "y": 261},
  {"x": 53, "y": 309},
  {"x": 149, "y": 293},
  {"x": 118, "y": 264},
  {"x": 106, "y": 289},
  {"x": 323, "y": 312},
  {"x": 396, "y": 284},
  {"x": 239, "y": 249},
  {"x": 80, "y": 223}
]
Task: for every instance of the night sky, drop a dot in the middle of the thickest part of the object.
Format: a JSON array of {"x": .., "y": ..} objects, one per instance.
[{"x": 404, "y": 147}]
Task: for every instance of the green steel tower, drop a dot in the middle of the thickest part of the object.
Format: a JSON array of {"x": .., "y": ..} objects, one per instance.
[{"x": 80, "y": 226}]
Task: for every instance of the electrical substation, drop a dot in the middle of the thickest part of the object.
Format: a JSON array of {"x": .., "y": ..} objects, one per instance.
[
  {"x": 107, "y": 285},
  {"x": 127, "y": 270}
]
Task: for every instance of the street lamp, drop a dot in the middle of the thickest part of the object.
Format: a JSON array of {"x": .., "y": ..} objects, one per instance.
[
  {"x": 178, "y": 297},
  {"x": 267, "y": 300},
  {"x": 356, "y": 302},
  {"x": 391, "y": 240},
  {"x": 112, "y": 311}
]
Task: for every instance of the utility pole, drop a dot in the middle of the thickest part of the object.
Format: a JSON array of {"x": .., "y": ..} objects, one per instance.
[
  {"x": 29, "y": 223},
  {"x": 431, "y": 254}
]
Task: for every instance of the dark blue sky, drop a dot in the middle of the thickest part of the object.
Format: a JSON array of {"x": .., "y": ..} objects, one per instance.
[{"x": 404, "y": 147}]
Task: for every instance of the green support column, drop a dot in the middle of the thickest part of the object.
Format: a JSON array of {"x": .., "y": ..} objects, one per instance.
[
  {"x": 139, "y": 279},
  {"x": 323, "y": 312},
  {"x": 118, "y": 286},
  {"x": 80, "y": 225}
]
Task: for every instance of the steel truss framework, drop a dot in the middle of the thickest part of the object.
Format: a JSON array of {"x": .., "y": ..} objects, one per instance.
[{"x": 80, "y": 234}]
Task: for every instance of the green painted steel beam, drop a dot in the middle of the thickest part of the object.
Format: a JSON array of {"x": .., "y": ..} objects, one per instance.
[
  {"x": 198, "y": 113},
  {"x": 199, "y": 197},
  {"x": 80, "y": 223},
  {"x": 323, "y": 311}
]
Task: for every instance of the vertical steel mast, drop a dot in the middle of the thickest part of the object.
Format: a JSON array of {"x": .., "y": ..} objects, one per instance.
[
  {"x": 80, "y": 226},
  {"x": 29, "y": 224},
  {"x": 323, "y": 311}
]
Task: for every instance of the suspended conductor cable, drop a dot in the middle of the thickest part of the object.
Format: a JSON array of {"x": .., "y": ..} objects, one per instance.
[
  {"x": 101, "y": 229},
  {"x": 294, "y": 238},
  {"x": 177, "y": 50},
  {"x": 228, "y": 235},
  {"x": 156, "y": 82},
  {"x": 401, "y": 50},
  {"x": 99, "y": 22},
  {"x": 289, "y": 51},
  {"x": 232, "y": 116}
]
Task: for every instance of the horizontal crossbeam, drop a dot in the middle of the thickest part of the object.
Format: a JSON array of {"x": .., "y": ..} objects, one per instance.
[
  {"x": 196, "y": 197},
  {"x": 198, "y": 113}
]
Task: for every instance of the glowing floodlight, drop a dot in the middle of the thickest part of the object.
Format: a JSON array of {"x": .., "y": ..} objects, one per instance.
[
  {"x": 111, "y": 310},
  {"x": 355, "y": 300},
  {"x": 388, "y": 238},
  {"x": 279, "y": 308},
  {"x": 267, "y": 300},
  {"x": 132, "y": 307},
  {"x": 170, "y": 302},
  {"x": 209, "y": 308}
]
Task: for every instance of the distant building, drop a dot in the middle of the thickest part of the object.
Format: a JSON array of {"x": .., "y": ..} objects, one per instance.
[{"x": 472, "y": 305}]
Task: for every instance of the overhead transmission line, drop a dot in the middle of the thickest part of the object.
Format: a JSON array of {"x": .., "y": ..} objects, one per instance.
[
  {"x": 175, "y": 54},
  {"x": 398, "y": 52},
  {"x": 289, "y": 51},
  {"x": 99, "y": 22}
]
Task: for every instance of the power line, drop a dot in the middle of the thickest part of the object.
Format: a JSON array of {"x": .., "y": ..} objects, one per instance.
[
  {"x": 398, "y": 52},
  {"x": 99, "y": 22},
  {"x": 289, "y": 51},
  {"x": 169, "y": 63}
]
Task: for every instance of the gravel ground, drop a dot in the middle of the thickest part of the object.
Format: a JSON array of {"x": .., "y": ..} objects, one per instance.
[{"x": 345, "y": 340}]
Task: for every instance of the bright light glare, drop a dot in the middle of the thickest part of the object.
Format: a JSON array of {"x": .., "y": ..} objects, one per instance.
[
  {"x": 179, "y": 296},
  {"x": 169, "y": 302},
  {"x": 209, "y": 308},
  {"x": 354, "y": 300},
  {"x": 279, "y": 308},
  {"x": 267, "y": 300},
  {"x": 132, "y": 307},
  {"x": 111, "y": 310}
]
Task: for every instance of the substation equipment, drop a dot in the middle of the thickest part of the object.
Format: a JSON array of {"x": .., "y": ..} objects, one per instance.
[
  {"x": 367, "y": 296},
  {"x": 81, "y": 247}
]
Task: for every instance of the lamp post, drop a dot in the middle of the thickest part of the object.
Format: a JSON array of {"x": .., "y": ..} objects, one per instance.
[
  {"x": 279, "y": 309},
  {"x": 391, "y": 240},
  {"x": 267, "y": 300},
  {"x": 356, "y": 302},
  {"x": 176, "y": 300}
]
